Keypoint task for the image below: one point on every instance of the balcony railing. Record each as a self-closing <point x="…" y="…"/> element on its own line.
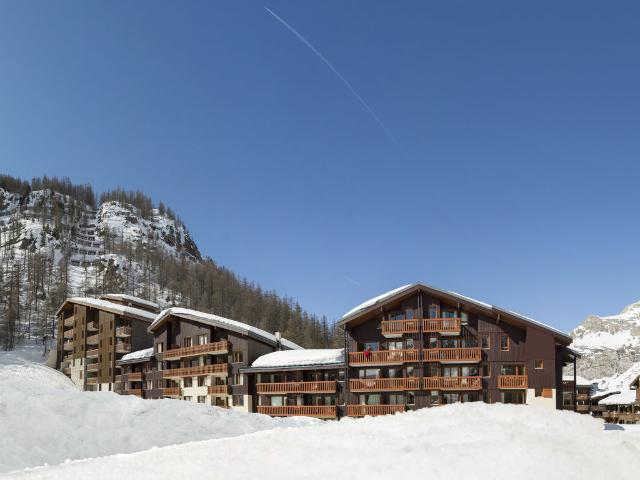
<point x="68" y="322"/>
<point x="92" y="367"/>
<point x="512" y="381"/>
<point x="218" y="368"/>
<point x="397" y="328"/>
<point x="122" y="347"/>
<point x="92" y="380"/>
<point x="453" y="383"/>
<point x="297" y="387"/>
<point x="364" y="410"/>
<point x="92" y="340"/>
<point x="133" y="391"/>
<point x="453" y="355"/>
<point x="134" y="377"/>
<point x="68" y="359"/>
<point x="67" y="346"/>
<point x="68" y="333"/>
<point x="92" y="326"/>
<point x="92" y="353"/>
<point x="582" y="408"/>
<point x="318" y="411"/>
<point x="206" y="349"/>
<point x="123" y="331"/>
<point x="171" y="392"/>
<point x="382" y="357"/>
<point x="218" y="389"/>
<point x="384" y="384"/>
<point x="444" y="326"/>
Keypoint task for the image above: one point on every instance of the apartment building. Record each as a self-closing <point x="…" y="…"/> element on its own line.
<point x="419" y="346"/>
<point x="200" y="356"/>
<point x="139" y="375"/>
<point x="620" y="406"/>
<point x="93" y="334"/>
<point x="298" y="382"/>
<point x="576" y="393"/>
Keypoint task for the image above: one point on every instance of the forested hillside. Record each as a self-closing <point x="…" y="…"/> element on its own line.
<point x="58" y="239"/>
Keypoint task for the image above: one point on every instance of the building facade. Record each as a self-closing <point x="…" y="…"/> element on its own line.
<point x="93" y="334"/>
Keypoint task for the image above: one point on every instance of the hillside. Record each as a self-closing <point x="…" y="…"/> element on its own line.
<point x="58" y="240"/>
<point x="609" y="345"/>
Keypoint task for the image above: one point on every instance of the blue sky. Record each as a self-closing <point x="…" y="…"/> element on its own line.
<point x="514" y="178"/>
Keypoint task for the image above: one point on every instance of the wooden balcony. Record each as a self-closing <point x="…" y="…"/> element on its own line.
<point x="92" y="367"/>
<point x="453" y="383"/>
<point x="383" y="357"/>
<point x="296" y="387"/>
<point x="92" y="326"/>
<point x="384" y="384"/>
<point x="68" y="359"/>
<point x="134" y="377"/>
<point x="171" y="392"/>
<point x="214" y="348"/>
<point x="517" y="382"/>
<point x="67" y="346"/>
<point x="68" y="333"/>
<point x="123" y="332"/>
<point x="318" y="411"/>
<point x="123" y="347"/>
<point x="221" y="369"/>
<point x="92" y="340"/>
<point x="133" y="391"/>
<point x="92" y="380"/>
<point x="443" y="326"/>
<point x="397" y="328"/>
<point x="373" y="410"/>
<point x="69" y="321"/>
<point x="582" y="408"/>
<point x="453" y="355"/>
<point x="92" y="353"/>
<point x="218" y="389"/>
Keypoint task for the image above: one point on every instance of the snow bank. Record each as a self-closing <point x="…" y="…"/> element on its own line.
<point x="456" y="441"/>
<point x="293" y="358"/>
<point x="44" y="419"/>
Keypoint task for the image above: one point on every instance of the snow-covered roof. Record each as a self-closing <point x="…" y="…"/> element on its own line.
<point x="111" y="307"/>
<point x="130" y="298"/>
<point x="487" y="306"/>
<point x="217" y="321"/>
<point x="140" y="355"/>
<point x="300" y="358"/>
<point x="625" y="397"/>
<point x="579" y="380"/>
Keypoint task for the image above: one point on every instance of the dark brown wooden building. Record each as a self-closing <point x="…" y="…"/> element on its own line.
<point x="94" y="333"/>
<point x="200" y="356"/>
<point x="420" y="346"/>
<point x="298" y="383"/>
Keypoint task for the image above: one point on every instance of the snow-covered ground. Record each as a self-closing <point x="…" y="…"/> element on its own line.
<point x="44" y="419"/>
<point x="456" y="441"/>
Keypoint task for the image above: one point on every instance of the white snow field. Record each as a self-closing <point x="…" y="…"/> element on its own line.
<point x="474" y="441"/>
<point x="44" y="419"/>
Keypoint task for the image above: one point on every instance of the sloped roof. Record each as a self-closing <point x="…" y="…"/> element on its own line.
<point x="492" y="309"/>
<point x="111" y="307"/>
<point x="217" y="321"/>
<point x="130" y="298"/>
<point x="301" y="358"/>
<point x="137" y="356"/>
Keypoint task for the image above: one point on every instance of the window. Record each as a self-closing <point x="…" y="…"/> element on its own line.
<point x="238" y="357"/>
<point x="203" y="339"/>
<point x="538" y="364"/>
<point x="159" y="347"/>
<point x="448" y="398"/>
<point x="149" y="385"/>
<point x="485" y="342"/>
<point x="188" y="382"/>
<point x="434" y="311"/>
<point x="433" y="342"/>
<point x="188" y="399"/>
<point x="201" y="398"/>
<point x="516" y="397"/>
<point x="201" y="381"/>
<point x="186" y="342"/>
<point x="448" y="314"/>
<point x="512" y="369"/>
<point x="486" y="370"/>
<point x="365" y="373"/>
<point x="464" y="318"/>
<point x="238" y="400"/>
<point x="434" y="398"/>
<point x="396" y="316"/>
<point x="504" y="343"/>
<point x="411" y="398"/>
<point x="237" y="378"/>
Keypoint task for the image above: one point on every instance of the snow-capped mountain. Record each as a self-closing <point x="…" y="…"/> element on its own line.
<point x="609" y="345"/>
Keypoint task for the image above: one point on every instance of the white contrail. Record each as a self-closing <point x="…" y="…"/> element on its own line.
<point x="333" y="69"/>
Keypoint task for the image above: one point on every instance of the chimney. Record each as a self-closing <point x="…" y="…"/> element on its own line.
<point x="278" y="341"/>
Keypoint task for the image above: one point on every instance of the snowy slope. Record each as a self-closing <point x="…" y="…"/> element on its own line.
<point x="44" y="419"/>
<point x="456" y="441"/>
<point x="610" y="344"/>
